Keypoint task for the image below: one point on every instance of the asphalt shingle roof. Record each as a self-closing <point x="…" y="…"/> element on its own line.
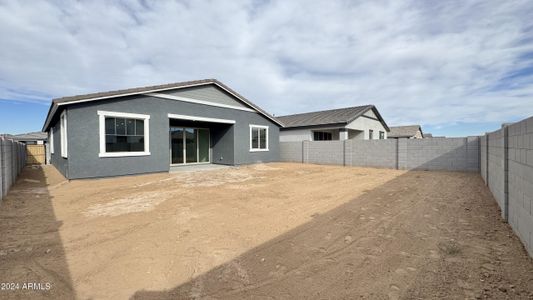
<point x="31" y="136"/>
<point x="403" y="131"/>
<point x="332" y="116"/>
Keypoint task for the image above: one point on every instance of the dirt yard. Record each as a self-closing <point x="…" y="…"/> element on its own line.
<point x="261" y="231"/>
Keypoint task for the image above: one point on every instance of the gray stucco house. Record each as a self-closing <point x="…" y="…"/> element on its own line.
<point x="152" y="129"/>
<point x="358" y="122"/>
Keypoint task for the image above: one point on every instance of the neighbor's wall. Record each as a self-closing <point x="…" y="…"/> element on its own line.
<point x="368" y="121"/>
<point x="452" y="154"/>
<point x="12" y="160"/>
<point x="509" y="175"/>
<point x="295" y="135"/>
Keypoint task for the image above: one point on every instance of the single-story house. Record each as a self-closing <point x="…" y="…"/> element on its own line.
<point x="31" y="138"/>
<point x="360" y="122"/>
<point x="428" y="135"/>
<point x="406" y="132"/>
<point x="154" y="128"/>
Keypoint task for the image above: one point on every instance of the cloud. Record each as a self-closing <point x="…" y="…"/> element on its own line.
<point x="433" y="63"/>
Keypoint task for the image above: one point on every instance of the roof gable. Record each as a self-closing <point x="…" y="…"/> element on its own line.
<point x="56" y="103"/>
<point x="332" y="116"/>
<point x="404" y="131"/>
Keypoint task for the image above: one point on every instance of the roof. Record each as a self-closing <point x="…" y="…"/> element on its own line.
<point x="31" y="136"/>
<point x="329" y="117"/>
<point x="404" y="131"/>
<point x="56" y="103"/>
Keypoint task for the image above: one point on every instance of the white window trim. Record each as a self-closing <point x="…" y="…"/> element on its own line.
<point x="64" y="134"/>
<point x="103" y="114"/>
<point x="267" y="143"/>
<point x="51" y="141"/>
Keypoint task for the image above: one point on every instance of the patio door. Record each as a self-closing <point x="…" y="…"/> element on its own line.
<point x="189" y="145"/>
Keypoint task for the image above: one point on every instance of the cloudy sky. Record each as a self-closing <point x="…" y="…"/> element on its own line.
<point x="455" y="67"/>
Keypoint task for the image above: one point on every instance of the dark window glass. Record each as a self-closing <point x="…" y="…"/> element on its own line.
<point x="124" y="135"/>
<point x="110" y="125"/>
<point x="139" y="127"/>
<point x="121" y="126"/>
<point x="262" y="138"/>
<point x="322" y="136"/>
<point x="255" y="138"/>
<point x="370" y="134"/>
<point x="130" y="127"/>
<point x="381" y="135"/>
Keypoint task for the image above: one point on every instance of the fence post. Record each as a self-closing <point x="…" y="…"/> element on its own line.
<point x="506" y="172"/>
<point x="344" y="153"/>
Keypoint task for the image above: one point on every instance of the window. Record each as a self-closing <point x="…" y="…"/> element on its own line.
<point x="381" y="135"/>
<point x="258" y="138"/>
<point x="63" y="132"/>
<point x="51" y="140"/>
<point x="370" y="134"/>
<point x="322" y="136"/>
<point x="123" y="134"/>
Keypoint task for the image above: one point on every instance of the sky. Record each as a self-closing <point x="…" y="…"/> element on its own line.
<point x="455" y="67"/>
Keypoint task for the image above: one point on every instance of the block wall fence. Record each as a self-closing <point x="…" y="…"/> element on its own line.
<point x="12" y="160"/>
<point x="507" y="169"/>
<point x="451" y="154"/>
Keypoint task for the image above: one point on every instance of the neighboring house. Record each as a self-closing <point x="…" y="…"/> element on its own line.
<point x="428" y="135"/>
<point x="360" y="122"/>
<point x="32" y="138"/>
<point x="406" y="132"/>
<point x="150" y="129"/>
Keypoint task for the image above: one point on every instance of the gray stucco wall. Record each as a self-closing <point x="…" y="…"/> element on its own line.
<point x="56" y="159"/>
<point x="231" y="147"/>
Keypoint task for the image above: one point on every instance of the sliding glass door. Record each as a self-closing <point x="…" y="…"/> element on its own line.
<point x="189" y="145"/>
<point x="176" y="148"/>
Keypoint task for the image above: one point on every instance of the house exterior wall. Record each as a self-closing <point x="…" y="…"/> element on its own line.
<point x="364" y="124"/>
<point x="56" y="159"/>
<point x="295" y="135"/>
<point x="230" y="143"/>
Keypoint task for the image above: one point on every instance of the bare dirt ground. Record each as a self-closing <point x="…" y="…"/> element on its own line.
<point x="261" y="231"/>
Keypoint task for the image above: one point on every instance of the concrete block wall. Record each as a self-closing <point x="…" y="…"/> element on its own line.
<point x="12" y="160"/>
<point x="450" y="154"/>
<point x="507" y="169"/>
<point x="324" y="152"/>
<point x="372" y="153"/>
<point x="520" y="181"/>
<point x="483" y="157"/>
<point x="291" y="151"/>
<point x="496" y="178"/>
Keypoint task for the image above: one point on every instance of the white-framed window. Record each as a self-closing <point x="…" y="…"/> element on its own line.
<point x="124" y="134"/>
<point x="63" y="132"/>
<point x="370" y="134"/>
<point x="258" y="138"/>
<point x="51" y="140"/>
<point x="381" y="135"/>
